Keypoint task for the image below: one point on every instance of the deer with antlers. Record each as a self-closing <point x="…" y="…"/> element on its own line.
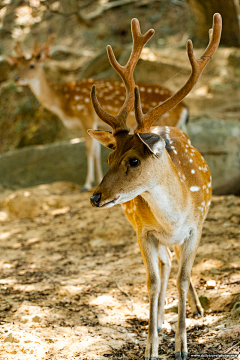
<point x="71" y="102"/>
<point x="163" y="184"/>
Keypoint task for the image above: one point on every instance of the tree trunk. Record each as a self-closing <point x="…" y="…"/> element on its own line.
<point x="202" y="13"/>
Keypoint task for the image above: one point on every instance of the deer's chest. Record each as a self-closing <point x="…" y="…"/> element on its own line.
<point x="166" y="231"/>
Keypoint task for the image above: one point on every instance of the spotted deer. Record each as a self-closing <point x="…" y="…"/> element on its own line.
<point x="71" y="101"/>
<point x="163" y="184"/>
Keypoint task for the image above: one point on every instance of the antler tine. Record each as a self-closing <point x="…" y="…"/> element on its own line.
<point x="118" y="123"/>
<point x="35" y="48"/>
<point x="18" y="49"/>
<point x="102" y="114"/>
<point x="138" y="108"/>
<point x="139" y="41"/>
<point x="197" y="68"/>
<point x="46" y="45"/>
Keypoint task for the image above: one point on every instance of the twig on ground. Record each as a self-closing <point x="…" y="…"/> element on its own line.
<point x="232" y="347"/>
<point x="124" y="292"/>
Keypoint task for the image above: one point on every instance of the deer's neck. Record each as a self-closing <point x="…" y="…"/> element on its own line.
<point x="167" y="198"/>
<point x="44" y="92"/>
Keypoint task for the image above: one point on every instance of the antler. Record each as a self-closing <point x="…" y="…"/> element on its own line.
<point x="18" y="49"/>
<point x="35" y="49"/>
<point x="145" y="121"/>
<point x="44" y="47"/>
<point x="118" y="122"/>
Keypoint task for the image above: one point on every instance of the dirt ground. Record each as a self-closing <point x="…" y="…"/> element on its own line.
<point x="73" y="282"/>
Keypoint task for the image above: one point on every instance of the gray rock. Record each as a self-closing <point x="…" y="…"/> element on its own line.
<point x="215" y="271"/>
<point x="43" y="164"/>
<point x="173" y="307"/>
<point x="235" y="312"/>
<point x="234" y="58"/>
<point x="217" y="140"/>
<point x="204" y="301"/>
<point x="219" y="143"/>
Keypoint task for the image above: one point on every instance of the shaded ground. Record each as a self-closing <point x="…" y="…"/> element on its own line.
<point x="73" y="281"/>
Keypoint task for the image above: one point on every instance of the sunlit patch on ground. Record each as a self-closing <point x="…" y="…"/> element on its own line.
<point x="73" y="282"/>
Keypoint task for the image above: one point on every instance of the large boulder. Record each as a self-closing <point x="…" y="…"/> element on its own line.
<point x="44" y="164"/>
<point x="219" y="143"/>
<point x="217" y="140"/>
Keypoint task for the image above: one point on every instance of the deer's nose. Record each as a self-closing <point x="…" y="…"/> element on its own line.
<point x="16" y="78"/>
<point x="95" y="199"/>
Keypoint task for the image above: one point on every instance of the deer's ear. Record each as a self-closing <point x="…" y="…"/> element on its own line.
<point x="106" y="138"/>
<point x="154" y="142"/>
<point x="11" y="60"/>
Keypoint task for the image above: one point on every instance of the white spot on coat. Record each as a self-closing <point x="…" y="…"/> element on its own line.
<point x="194" y="188"/>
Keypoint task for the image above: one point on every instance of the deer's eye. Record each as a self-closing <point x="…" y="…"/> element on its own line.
<point x="134" y="162"/>
<point x="31" y="66"/>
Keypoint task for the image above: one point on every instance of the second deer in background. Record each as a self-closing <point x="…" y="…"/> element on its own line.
<point x="71" y="101"/>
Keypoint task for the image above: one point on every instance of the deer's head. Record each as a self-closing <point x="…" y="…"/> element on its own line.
<point x="136" y="158"/>
<point x="29" y="68"/>
<point x="131" y="162"/>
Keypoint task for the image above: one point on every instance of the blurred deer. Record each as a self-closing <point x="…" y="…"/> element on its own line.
<point x="71" y="101"/>
<point x="163" y="184"/>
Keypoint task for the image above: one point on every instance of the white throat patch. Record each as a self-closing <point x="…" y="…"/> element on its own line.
<point x="35" y="86"/>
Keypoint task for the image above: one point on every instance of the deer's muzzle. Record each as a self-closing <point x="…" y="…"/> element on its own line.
<point x="95" y="199"/>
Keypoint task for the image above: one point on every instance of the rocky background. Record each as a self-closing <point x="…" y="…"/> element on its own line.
<point x="79" y="51"/>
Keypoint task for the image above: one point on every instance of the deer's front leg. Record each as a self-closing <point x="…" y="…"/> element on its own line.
<point x="165" y="258"/>
<point x="192" y="296"/>
<point x="90" y="148"/>
<point x="187" y="255"/>
<point x="149" y="249"/>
